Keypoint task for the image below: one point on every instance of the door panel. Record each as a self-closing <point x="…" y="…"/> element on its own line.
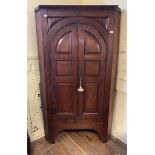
<point x="65" y="96"/>
<point x="91" y="68"/>
<point x="63" y="68"/>
<point x="91" y="98"/>
<point x="63" y="55"/>
<point x="64" y="44"/>
<point x="92" y="56"/>
<point x="91" y="44"/>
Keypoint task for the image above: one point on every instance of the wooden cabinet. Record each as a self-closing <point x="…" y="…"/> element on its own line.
<point x="77" y="48"/>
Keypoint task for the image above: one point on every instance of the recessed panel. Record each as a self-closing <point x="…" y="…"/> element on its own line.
<point x="64" y="68"/>
<point x="52" y="21"/>
<point x="90" y="98"/>
<point x="65" y="97"/>
<point x="104" y="21"/>
<point x="91" y="44"/>
<point x="92" y="68"/>
<point x="64" y="44"/>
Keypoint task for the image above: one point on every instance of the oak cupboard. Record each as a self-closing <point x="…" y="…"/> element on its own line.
<point x="77" y="47"/>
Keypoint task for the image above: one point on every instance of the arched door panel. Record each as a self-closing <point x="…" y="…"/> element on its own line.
<point x="63" y="54"/>
<point x="92" y="56"/>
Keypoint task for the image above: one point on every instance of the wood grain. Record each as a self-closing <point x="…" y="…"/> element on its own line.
<point x="77" y="143"/>
<point x="77" y="48"/>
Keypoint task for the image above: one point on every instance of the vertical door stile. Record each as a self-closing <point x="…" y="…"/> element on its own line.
<point x="80" y="68"/>
<point x="75" y="65"/>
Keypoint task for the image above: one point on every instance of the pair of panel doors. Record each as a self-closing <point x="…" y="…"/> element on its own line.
<point x="78" y="50"/>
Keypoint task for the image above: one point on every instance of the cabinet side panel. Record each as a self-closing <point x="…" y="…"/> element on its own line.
<point x="42" y="71"/>
<point x="114" y="69"/>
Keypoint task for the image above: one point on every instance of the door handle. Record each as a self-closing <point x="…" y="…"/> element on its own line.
<point x="80" y="89"/>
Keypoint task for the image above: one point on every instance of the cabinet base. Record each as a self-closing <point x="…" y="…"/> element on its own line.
<point x="98" y="128"/>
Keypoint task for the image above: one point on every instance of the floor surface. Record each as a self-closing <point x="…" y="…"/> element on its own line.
<point x="77" y="143"/>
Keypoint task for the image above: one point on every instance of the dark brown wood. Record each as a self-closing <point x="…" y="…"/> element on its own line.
<point x="28" y="145"/>
<point x="114" y="69"/>
<point x="78" y="143"/>
<point x="77" y="43"/>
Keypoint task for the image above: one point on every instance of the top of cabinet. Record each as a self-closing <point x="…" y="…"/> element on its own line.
<point x="81" y="7"/>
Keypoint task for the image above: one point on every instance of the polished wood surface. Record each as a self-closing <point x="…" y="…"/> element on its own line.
<point x="78" y="143"/>
<point x="77" y="48"/>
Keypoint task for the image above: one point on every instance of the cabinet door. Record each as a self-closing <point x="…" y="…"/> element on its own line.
<point x="63" y="59"/>
<point x="92" y="59"/>
<point x="77" y="51"/>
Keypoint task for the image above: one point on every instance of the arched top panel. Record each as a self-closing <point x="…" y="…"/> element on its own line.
<point x="64" y="43"/>
<point x="91" y="43"/>
<point x="94" y="43"/>
<point x="61" y="42"/>
<point x="78" y="20"/>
